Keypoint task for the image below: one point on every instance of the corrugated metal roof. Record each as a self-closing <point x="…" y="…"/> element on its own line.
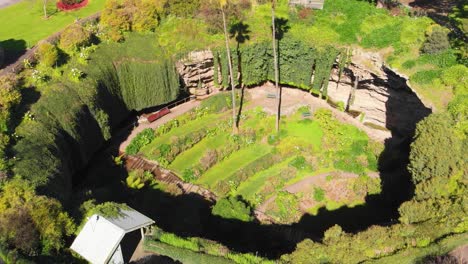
<point x="100" y="237"/>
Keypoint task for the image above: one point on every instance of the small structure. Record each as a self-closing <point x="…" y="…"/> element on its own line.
<point x="99" y="242"/>
<point x="314" y="4"/>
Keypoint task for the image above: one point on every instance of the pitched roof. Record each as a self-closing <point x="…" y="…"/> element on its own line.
<point x="101" y="236"/>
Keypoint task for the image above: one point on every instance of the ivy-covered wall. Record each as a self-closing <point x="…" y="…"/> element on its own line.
<point x="300" y="65"/>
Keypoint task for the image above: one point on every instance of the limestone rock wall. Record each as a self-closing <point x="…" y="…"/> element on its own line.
<point x="383" y="97"/>
<point x="196" y="72"/>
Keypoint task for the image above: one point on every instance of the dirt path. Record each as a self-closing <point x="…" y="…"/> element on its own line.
<point x="292" y="99"/>
<point x="175" y="112"/>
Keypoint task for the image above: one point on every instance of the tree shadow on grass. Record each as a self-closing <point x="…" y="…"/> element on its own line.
<point x="13" y="49"/>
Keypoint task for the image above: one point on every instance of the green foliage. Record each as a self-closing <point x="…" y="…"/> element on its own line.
<point x="319" y="194"/>
<point x="30" y="222"/>
<point x="217" y="103"/>
<point x="233" y="207"/>
<point x="436" y="151"/>
<point x="299" y="163"/>
<point x="187" y="243"/>
<point x="182" y="8"/>
<point x="257" y="61"/>
<point x="47" y="54"/>
<point x="137" y="179"/>
<point x="426" y="77"/>
<point x="286" y="206"/>
<point x="74" y="37"/>
<point x="142" y="139"/>
<point x="188" y="175"/>
<point x="137" y="15"/>
<point x="437" y="41"/>
<point x="196" y="250"/>
<point x="183" y="255"/>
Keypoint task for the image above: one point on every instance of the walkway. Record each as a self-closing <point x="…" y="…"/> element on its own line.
<point x="175" y="112"/>
<point x="5" y="3"/>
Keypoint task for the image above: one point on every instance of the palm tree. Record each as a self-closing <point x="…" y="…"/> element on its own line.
<point x="275" y="63"/>
<point x="222" y="5"/>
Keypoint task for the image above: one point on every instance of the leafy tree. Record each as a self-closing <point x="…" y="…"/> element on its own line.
<point x="74" y="37"/>
<point x="437" y="41"/>
<point x="42" y="225"/>
<point x="47" y="54"/>
<point x="182" y="8"/>
<point x="436" y="150"/>
<point x="233" y="207"/>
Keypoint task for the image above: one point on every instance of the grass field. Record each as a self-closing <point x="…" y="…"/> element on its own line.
<point x="23" y="24"/>
<point x="235" y="162"/>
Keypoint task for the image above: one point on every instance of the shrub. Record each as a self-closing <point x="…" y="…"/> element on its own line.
<point x="47" y="54"/>
<point x="74" y="37"/>
<point x="299" y="163"/>
<point x="426" y="76"/>
<point x="233" y="207"/>
<point x="319" y="194"/>
<point x="137" y="179"/>
<point x="436" y="150"/>
<point x="437" y="41"/>
<point x="142" y="139"/>
<point x="188" y="175"/>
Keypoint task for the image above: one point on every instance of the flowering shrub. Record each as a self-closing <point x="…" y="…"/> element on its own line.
<point x="38" y="76"/>
<point x="67" y="5"/>
<point x="75" y="74"/>
<point x="84" y="54"/>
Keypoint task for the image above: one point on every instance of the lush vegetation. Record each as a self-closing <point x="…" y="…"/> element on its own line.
<point x="196" y="250"/>
<point x="58" y="112"/>
<point x="27" y="20"/>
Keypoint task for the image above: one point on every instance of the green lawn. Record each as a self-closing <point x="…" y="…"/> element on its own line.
<point x="190" y="157"/>
<point x="24" y="23"/>
<point x="236" y="161"/>
<point x="309" y="131"/>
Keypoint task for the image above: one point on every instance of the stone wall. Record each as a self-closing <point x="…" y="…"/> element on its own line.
<point x="196" y="72"/>
<point x="383" y="97"/>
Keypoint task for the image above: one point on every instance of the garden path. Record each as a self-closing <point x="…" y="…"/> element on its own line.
<point x="175" y="112"/>
<point x="5" y="3"/>
<point x="292" y="99"/>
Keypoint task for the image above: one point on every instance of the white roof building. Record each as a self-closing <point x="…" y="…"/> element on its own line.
<point x="99" y="240"/>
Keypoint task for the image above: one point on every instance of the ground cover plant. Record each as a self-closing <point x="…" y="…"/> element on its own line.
<point x="240" y="164"/>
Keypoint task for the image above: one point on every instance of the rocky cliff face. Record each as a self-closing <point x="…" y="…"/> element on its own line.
<point x="196" y="72"/>
<point x="382" y="98"/>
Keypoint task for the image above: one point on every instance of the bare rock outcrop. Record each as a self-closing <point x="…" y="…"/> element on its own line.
<point x="383" y="99"/>
<point x="196" y="72"/>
